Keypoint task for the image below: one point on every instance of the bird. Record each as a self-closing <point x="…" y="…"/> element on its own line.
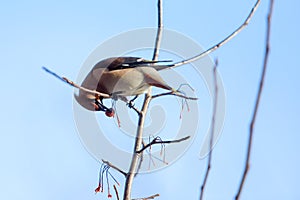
<point x="120" y="77"/>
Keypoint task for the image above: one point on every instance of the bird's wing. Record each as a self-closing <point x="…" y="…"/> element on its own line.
<point x="116" y="63"/>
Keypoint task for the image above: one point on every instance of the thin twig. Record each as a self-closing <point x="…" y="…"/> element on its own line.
<point x="155" y="141"/>
<point x="159" y="30"/>
<point x="213" y="120"/>
<point x="117" y="193"/>
<point x="174" y="94"/>
<point x="147" y="198"/>
<point x="132" y="107"/>
<point x="136" y="110"/>
<point x="64" y="79"/>
<point x="258" y="97"/>
<point x="85" y="89"/>
<point x="221" y="43"/>
<point x="114" y="167"/>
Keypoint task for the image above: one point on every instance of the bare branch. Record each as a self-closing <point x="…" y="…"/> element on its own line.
<point x="159" y="30"/>
<point x="142" y="115"/>
<point x="213" y="120"/>
<point x="64" y="79"/>
<point x="114" y="167"/>
<point x="174" y="93"/>
<point x="155" y="141"/>
<point x="146" y="198"/>
<point x="221" y="43"/>
<point x="136" y="110"/>
<point x="260" y="89"/>
<point x="138" y="142"/>
<point x="140" y="161"/>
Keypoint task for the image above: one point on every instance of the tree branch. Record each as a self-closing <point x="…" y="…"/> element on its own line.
<point x="142" y="115"/>
<point x="221" y="43"/>
<point x="156" y="141"/>
<point x="114" y="167"/>
<point x="174" y="94"/>
<point x="64" y="79"/>
<point x="147" y="198"/>
<point x="159" y="30"/>
<point x="260" y="89"/>
<point x="213" y="120"/>
<point x="137" y="146"/>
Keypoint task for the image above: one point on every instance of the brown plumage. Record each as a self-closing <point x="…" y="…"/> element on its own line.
<point x="120" y="77"/>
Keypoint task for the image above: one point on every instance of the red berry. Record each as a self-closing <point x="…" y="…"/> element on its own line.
<point x="98" y="189"/>
<point x="110" y="112"/>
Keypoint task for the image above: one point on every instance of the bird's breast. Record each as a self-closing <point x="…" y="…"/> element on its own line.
<point x="125" y="82"/>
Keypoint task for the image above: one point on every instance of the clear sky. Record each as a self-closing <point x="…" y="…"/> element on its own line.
<point x="42" y="155"/>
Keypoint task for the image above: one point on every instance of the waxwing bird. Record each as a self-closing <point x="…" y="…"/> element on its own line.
<point x="120" y="77"/>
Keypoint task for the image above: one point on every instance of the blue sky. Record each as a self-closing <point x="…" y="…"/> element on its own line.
<point x="43" y="157"/>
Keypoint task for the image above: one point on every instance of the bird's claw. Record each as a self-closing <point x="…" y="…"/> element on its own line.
<point x="130" y="104"/>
